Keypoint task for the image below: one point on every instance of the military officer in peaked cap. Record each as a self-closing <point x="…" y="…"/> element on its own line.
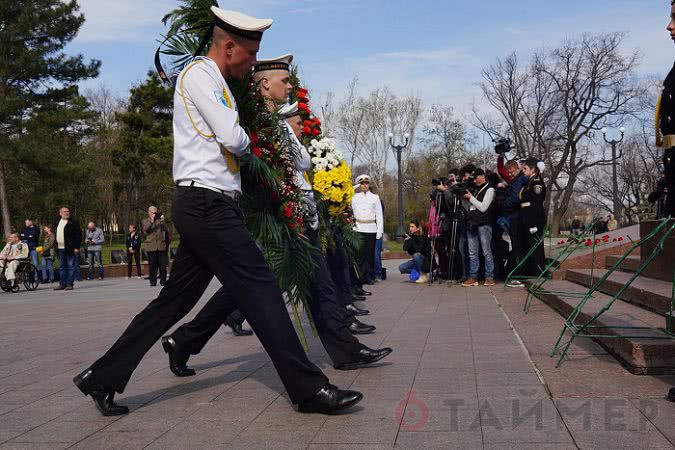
<point x="665" y="128"/>
<point x="207" y="142"/>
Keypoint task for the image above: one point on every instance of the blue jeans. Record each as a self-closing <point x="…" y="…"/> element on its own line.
<point x="464" y="251"/>
<point x="94" y="257"/>
<point x="378" y="258"/>
<point x="34" y="259"/>
<point x="47" y="268"/>
<point x="66" y="268"/>
<point x="481" y="240"/>
<point x="416" y="263"/>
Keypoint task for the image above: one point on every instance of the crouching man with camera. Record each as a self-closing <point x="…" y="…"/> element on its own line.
<point x="480" y="219"/>
<point x="417" y="246"/>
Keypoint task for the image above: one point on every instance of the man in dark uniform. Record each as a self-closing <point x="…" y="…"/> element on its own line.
<point x="665" y="136"/>
<point x="533" y="216"/>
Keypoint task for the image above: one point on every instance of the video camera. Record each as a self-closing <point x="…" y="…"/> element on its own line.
<point x="466" y="185"/>
<point x="503" y="145"/>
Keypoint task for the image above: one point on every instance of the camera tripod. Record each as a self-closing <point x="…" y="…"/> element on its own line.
<point x="436" y="220"/>
<point x="453" y="239"/>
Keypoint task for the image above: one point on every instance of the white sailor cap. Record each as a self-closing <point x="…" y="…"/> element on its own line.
<point x="289" y="110"/>
<point x="240" y="24"/>
<point x="279" y="63"/>
<point x="362" y="178"/>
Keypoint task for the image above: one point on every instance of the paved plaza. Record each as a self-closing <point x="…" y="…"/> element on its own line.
<point x="460" y="377"/>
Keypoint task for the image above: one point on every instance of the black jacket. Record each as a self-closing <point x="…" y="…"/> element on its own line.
<point x="419" y="244"/>
<point x="31" y="235"/>
<point x="72" y="235"/>
<point x="532" y="212"/>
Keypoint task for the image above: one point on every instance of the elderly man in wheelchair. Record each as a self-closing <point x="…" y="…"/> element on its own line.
<point x="14" y="253"/>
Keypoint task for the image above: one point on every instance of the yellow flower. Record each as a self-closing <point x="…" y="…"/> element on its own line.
<point x="335" y="187"/>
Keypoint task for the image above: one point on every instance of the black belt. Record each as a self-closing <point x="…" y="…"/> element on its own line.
<point x="233" y="195"/>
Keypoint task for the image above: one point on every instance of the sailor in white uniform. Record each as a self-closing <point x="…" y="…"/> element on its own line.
<point x="214" y="240"/>
<point x="369" y="224"/>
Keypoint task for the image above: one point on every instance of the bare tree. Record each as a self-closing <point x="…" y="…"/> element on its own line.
<point x="553" y="106"/>
<point x="444" y="136"/>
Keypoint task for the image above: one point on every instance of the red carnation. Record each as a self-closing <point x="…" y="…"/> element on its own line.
<point x="614" y="240"/>
<point x="302" y="92"/>
<point x="288" y="211"/>
<point x="316" y="132"/>
<point x="303" y="106"/>
<point x="291" y="225"/>
<point x="254" y="138"/>
<point x="589" y="243"/>
<point x="257" y="151"/>
<point x="620" y="239"/>
<point x="306" y="130"/>
<point x="307" y="123"/>
<point x="317" y="121"/>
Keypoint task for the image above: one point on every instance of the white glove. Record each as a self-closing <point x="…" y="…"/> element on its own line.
<point x="378" y="236"/>
<point x="533" y="230"/>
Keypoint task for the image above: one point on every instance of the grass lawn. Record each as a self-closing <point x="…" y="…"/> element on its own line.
<point x="394" y="247"/>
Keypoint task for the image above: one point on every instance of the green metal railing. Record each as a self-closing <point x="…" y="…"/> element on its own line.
<point x="574" y="243"/>
<point x="588" y="330"/>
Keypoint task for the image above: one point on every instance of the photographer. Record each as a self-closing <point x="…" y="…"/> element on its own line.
<point x="156" y="245"/>
<point x="479" y="229"/>
<point x="417" y="246"/>
<point x="460" y="189"/>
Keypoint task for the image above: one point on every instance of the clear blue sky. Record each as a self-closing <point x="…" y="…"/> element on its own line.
<point x="434" y="49"/>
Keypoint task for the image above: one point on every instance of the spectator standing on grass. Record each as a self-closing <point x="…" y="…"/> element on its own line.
<point x="31" y="236"/>
<point x="94" y="239"/>
<point x="133" y="245"/>
<point x="48" y="253"/>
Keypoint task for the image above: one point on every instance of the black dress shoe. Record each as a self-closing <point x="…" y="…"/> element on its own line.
<point x="237" y="329"/>
<point x="361" y="328"/>
<point x="352" y="308"/>
<point x="365" y="357"/>
<point x="671" y="395"/>
<point x="330" y="400"/>
<point x="177" y="362"/>
<point x="104" y="399"/>
<point x="361" y="291"/>
<point x="358" y="298"/>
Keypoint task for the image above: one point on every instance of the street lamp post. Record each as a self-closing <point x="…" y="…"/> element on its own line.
<point x="397" y="150"/>
<point x="616" y="206"/>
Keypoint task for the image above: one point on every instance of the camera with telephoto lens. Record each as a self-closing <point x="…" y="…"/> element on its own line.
<point x="464" y="186"/>
<point x="503" y="145"/>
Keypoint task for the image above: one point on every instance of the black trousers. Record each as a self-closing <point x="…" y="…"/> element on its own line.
<point x="367" y="257"/>
<point x="669" y="168"/>
<point x="201" y="215"/>
<point x="338" y="265"/>
<point x="330" y="318"/>
<point x="519" y="248"/>
<point x="130" y="258"/>
<point x="537" y="261"/>
<point x="158" y="260"/>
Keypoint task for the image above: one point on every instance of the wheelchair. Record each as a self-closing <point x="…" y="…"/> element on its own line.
<point x="26" y="273"/>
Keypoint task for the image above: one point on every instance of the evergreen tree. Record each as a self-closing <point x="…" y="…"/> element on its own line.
<point x="42" y="115"/>
<point x="144" y="154"/>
